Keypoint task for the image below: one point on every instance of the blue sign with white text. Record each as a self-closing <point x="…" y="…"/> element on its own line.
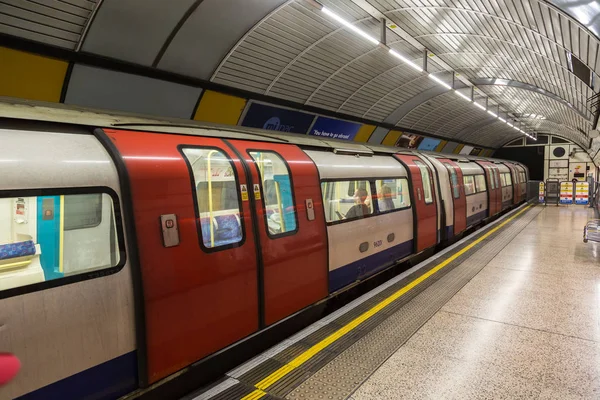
<point x="277" y="119"/>
<point x="429" y="144"/>
<point x="334" y="129"/>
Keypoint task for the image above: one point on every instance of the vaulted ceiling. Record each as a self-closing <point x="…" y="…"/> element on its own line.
<point x="513" y="53"/>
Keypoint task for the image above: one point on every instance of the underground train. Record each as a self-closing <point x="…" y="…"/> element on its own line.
<point x="132" y="253"/>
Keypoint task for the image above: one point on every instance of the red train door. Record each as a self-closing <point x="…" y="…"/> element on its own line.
<point x="291" y="226"/>
<point x="515" y="183"/>
<point x="495" y="193"/>
<point x="424" y="204"/>
<point x="196" y="246"/>
<point x="458" y="195"/>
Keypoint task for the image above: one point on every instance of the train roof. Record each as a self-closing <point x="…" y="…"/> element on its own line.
<point x="57" y="113"/>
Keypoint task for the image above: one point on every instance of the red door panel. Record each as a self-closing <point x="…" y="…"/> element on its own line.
<point x="495" y="193"/>
<point x="196" y="302"/>
<point x="460" y="203"/>
<point x="294" y="263"/>
<point x="426" y="213"/>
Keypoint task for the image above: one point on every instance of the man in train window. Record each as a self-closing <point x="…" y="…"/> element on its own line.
<point x="360" y="209"/>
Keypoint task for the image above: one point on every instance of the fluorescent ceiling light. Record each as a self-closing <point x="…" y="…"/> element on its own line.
<point x="349" y="25"/>
<point x="479" y="106"/>
<point x="441" y="82"/>
<point x="502" y="119"/>
<point x="493" y="114"/>
<point x="509" y="124"/>
<point x="405" y="60"/>
<point x="462" y="95"/>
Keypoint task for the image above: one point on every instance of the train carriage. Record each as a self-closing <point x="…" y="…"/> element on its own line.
<point x="157" y="251"/>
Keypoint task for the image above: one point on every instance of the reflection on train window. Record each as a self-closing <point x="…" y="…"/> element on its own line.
<point x="341" y="206"/>
<point x="469" y="182"/>
<point x="453" y="181"/>
<point x="427" y="193"/>
<point x="217" y="199"/>
<point x="85" y="211"/>
<point x="277" y="192"/>
<point x="36" y="244"/>
<point x="392" y="194"/>
<point x="480" y="183"/>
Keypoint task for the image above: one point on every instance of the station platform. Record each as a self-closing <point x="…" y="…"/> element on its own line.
<point x="511" y="311"/>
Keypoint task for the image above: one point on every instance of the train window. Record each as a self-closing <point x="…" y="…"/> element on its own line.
<point x="36" y="244"/>
<point x="469" y="182"/>
<point x="453" y="181"/>
<point x="427" y="193"/>
<point x="277" y="196"/>
<point x="508" y="179"/>
<point x="480" y="183"/>
<point x="491" y="177"/>
<point x="216" y="194"/>
<point x="503" y="179"/>
<point x="392" y="194"/>
<point x="340" y="206"/>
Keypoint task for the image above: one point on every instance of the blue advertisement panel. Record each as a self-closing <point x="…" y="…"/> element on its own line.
<point x="276" y="119"/>
<point x="334" y="129"/>
<point x="429" y="144"/>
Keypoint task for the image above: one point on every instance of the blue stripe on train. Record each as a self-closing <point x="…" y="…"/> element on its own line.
<point x="340" y="277"/>
<point x="109" y="380"/>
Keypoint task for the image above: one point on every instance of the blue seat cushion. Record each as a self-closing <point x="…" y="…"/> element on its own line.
<point x="14" y="250"/>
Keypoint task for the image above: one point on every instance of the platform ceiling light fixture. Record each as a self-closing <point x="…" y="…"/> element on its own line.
<point x="350" y="26"/>
<point x="441" y="82"/>
<point x="413" y="65"/>
<point x="405" y="60"/>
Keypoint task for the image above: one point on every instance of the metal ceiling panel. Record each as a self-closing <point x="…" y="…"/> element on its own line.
<point x="101" y="88"/>
<point x="53" y="22"/>
<point x="133" y="30"/>
<point x="212" y="31"/>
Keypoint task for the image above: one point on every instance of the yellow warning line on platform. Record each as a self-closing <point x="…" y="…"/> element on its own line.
<point x="311" y="352"/>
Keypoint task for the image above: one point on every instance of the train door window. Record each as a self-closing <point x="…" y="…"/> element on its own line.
<point x="480" y="183"/>
<point x="508" y="179"/>
<point x="45" y="238"/>
<point x="216" y="193"/>
<point x="496" y="177"/>
<point x="453" y="180"/>
<point x="469" y="182"/>
<point x="339" y="205"/>
<point x="490" y="173"/>
<point x="277" y="198"/>
<point x="392" y="194"/>
<point x="427" y="193"/>
<point x="502" y="180"/>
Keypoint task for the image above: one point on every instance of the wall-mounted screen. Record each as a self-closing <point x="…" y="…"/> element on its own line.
<point x="429" y="144"/>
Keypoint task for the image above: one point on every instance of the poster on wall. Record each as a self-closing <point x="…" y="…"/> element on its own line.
<point x="334" y="129"/>
<point x="429" y="144"/>
<point x="409" y="141"/>
<point x="475" y="151"/>
<point x="276" y="119"/>
<point x="466" y="150"/>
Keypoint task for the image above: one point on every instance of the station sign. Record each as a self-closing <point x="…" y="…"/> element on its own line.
<point x="582" y="193"/>
<point x="331" y="128"/>
<point x="566" y="192"/>
<point x="272" y="118"/>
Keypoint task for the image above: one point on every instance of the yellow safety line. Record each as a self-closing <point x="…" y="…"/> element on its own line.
<point x="311" y="352"/>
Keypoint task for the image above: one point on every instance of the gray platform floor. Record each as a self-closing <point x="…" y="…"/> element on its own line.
<point x="526" y="326"/>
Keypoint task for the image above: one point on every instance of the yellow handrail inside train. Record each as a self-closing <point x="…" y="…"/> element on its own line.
<point x="210" y="198"/>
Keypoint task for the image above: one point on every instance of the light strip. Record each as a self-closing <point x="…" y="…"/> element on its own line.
<point x="462" y="95"/>
<point x="502" y="119"/>
<point x="479" y="106"/>
<point x="441" y="82"/>
<point x="405" y="60"/>
<point x="493" y="114"/>
<point x="349" y="25"/>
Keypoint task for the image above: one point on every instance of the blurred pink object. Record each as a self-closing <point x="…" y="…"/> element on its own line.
<point x="9" y="367"/>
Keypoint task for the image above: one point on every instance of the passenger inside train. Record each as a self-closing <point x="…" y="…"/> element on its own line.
<point x="360" y="209"/>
